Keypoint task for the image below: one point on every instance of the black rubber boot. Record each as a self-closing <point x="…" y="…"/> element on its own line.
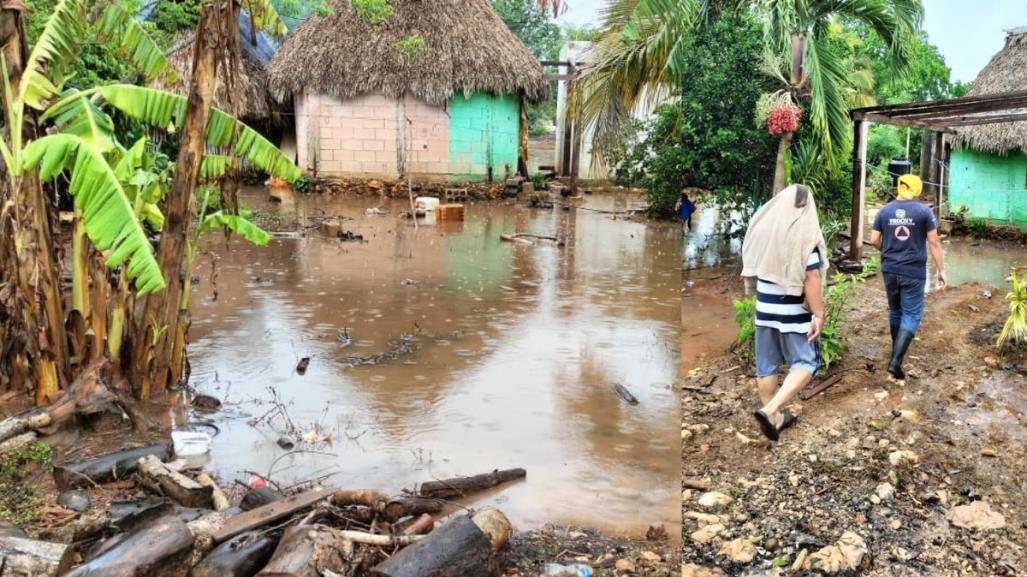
<point x="894" y="333"/>
<point x="898" y="351"/>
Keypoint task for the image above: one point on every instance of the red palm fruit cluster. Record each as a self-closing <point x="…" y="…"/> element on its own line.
<point x="784" y="118"/>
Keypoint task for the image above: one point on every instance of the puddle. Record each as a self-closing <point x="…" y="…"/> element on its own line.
<point x="985" y="262"/>
<point x="489" y="355"/>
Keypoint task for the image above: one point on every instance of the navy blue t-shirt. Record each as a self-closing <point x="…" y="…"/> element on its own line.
<point x="904" y="225"/>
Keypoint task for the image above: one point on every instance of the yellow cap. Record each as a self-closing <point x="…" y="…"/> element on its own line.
<point x="910" y="186"/>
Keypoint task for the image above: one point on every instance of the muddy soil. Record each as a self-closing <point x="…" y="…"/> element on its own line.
<point x="893" y="464"/>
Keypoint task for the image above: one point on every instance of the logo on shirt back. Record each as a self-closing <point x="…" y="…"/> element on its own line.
<point x="899" y="220"/>
<point x="900" y="213"/>
<point x="902" y="233"/>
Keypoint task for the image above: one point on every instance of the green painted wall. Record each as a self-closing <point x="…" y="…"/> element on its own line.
<point x="483" y="133"/>
<point x="991" y="186"/>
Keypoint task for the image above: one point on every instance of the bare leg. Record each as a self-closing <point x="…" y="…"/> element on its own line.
<point x="794" y="383"/>
<point x="767" y="387"/>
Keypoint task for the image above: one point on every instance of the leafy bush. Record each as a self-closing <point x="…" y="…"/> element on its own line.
<point x="1014" y="332"/>
<point x="836" y="300"/>
<point x="745" y="318"/>
<point x="871" y="265"/>
<point x="977" y="226"/>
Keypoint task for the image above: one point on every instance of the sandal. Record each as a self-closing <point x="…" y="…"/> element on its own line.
<point x="769" y="430"/>
<point x="789" y="420"/>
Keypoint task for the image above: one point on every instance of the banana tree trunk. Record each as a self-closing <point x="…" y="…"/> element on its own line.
<point x="154" y="338"/>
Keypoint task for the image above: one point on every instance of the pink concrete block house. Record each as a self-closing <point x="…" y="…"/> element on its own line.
<point x="438" y="88"/>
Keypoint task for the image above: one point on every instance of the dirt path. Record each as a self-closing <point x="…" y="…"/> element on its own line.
<point x="883" y="471"/>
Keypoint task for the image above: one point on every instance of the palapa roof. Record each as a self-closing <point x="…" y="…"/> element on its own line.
<point x="1006" y="72"/>
<point x="470" y="49"/>
<point x="251" y="98"/>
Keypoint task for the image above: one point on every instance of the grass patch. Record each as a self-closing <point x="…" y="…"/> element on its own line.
<point x="19" y="503"/>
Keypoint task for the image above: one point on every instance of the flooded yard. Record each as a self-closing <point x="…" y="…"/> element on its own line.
<point x="465" y="354"/>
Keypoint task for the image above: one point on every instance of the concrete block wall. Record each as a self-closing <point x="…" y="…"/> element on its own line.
<point x="366" y="136"/>
<point x="991" y="186"/>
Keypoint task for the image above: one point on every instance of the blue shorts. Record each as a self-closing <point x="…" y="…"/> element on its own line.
<point x="774" y="348"/>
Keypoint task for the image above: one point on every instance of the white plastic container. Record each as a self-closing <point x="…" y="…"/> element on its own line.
<point x="190" y="443"/>
<point x="426" y="203"/>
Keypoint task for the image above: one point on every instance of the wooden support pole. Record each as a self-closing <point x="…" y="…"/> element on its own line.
<point x="859" y="177"/>
<point x="936" y="159"/>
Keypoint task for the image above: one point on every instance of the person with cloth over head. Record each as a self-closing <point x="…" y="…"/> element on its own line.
<point x="784" y="250"/>
<point x="903" y="231"/>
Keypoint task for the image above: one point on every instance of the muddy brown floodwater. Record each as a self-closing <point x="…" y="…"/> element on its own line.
<point x="489" y="355"/>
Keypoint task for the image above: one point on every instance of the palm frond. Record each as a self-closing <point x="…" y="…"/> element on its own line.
<point x="83" y="118"/>
<point x="265" y="17"/>
<point x="167" y="111"/>
<point x="829" y="111"/>
<point x="56" y="48"/>
<point x="134" y="43"/>
<point x="237" y="224"/>
<point x="107" y="214"/>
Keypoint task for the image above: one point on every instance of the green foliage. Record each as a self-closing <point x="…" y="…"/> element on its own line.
<point x="831" y="228"/>
<point x="237" y="224"/>
<point x="413" y="46"/>
<point x="375" y="12"/>
<point x="532" y="25"/>
<point x="1014" y="332"/>
<point x="107" y="213"/>
<point x="177" y="15"/>
<point x="708" y="140"/>
<point x="302" y="184"/>
<point x="837" y="299"/>
<point x="745" y="317"/>
<point x="539" y="180"/>
<point x="871" y="266"/>
<point x="19" y="503"/>
<point x="977" y="226"/>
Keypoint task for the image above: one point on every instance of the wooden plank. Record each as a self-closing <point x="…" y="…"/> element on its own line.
<point x="267" y="514"/>
<point x="859" y="176"/>
<point x="1010" y="100"/>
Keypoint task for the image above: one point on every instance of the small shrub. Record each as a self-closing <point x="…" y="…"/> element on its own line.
<point x="871" y="266"/>
<point x="1014" y="332"/>
<point x="413" y="46"/>
<point x="837" y="299"/>
<point x="538" y="180"/>
<point x="302" y="184"/>
<point x="977" y="226"/>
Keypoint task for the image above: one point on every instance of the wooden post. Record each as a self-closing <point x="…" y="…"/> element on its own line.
<point x="859" y="178"/>
<point x="566" y="156"/>
<point x="937" y="157"/>
<point x="946" y="150"/>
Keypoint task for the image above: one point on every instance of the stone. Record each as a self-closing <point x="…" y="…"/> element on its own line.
<point x="713" y="499"/>
<point x="902" y="458"/>
<point x="793" y="480"/>
<point x="650" y="558"/>
<point x="697" y="484"/>
<point x="885" y="492"/>
<point x="77" y="501"/>
<point x="742" y="438"/>
<point x="896" y="525"/>
<point x="624" y="566"/>
<point x="686" y="434"/>
<point x="875" y="499"/>
<point x="846" y="554"/>
<point x="880" y="396"/>
<point x="706" y="534"/>
<point x="706" y="518"/>
<point x="693" y="570"/>
<point x="978" y="516"/>
<point x="739" y="550"/>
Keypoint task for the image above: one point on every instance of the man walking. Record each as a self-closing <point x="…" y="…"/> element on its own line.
<point x="903" y="231"/>
<point x="784" y="250"/>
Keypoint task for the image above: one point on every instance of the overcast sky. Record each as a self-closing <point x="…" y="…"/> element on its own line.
<point x="968" y="32"/>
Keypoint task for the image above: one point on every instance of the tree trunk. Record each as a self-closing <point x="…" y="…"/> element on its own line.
<point x="104" y="468"/>
<point x="156" y="550"/>
<point x="457" y="549"/>
<point x="307" y="551"/>
<point x="154" y="338"/>
<point x="459" y="486"/>
<point x="19" y="556"/>
<point x="780" y="168"/>
<point x="242" y="556"/>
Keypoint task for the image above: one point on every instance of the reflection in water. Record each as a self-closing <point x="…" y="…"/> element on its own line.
<point x="518" y="349"/>
<point x="709" y="242"/>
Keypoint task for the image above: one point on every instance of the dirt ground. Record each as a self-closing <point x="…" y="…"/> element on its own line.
<point x="925" y="477"/>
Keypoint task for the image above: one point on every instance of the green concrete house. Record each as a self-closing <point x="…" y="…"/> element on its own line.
<point x="988" y="167"/>
<point x="437" y="89"/>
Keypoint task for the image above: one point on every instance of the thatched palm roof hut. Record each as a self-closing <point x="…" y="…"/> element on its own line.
<point x="451" y="68"/>
<point x="251" y="96"/>
<point x="1006" y="72"/>
<point x="470" y="50"/>
<point x="988" y="167"/>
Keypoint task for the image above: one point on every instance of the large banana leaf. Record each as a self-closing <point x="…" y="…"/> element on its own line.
<point x="83" y="118"/>
<point x="55" y="50"/>
<point x="213" y="167"/>
<point x="134" y="43"/>
<point x="265" y="17"/>
<point x="236" y="224"/>
<point x="166" y="110"/>
<point x="107" y="214"/>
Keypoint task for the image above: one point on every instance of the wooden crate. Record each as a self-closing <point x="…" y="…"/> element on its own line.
<point x="451" y="212"/>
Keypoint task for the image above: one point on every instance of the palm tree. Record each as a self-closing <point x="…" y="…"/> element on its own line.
<point x="815" y="71"/>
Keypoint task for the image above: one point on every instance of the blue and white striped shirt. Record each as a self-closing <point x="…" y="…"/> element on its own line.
<point x="777" y="310"/>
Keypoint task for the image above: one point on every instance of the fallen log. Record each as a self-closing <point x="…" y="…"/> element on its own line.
<point x="460" y="548"/>
<point x="175" y="485"/>
<point x="308" y="551"/>
<point x="23" y="422"/>
<point x="20" y="557"/>
<point x="18" y="443"/>
<point x="86" y="392"/>
<point x="109" y="467"/>
<point x="419" y="526"/>
<point x="154" y="550"/>
<point x="127" y="515"/>
<point x="410" y="506"/>
<point x="267" y="514"/>
<point x="514" y="238"/>
<point x="241" y="556"/>
<point x="460" y="486"/>
<point x="217" y="496"/>
<point x="372" y="499"/>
